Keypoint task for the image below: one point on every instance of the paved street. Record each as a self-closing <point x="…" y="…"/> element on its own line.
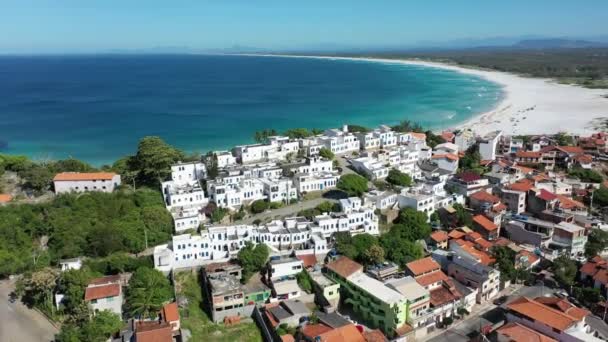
<point x="20" y="324"/>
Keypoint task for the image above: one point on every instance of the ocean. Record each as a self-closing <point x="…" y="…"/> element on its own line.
<point x="96" y="108"/>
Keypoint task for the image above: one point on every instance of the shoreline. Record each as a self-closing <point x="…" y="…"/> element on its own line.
<point x="529" y="105"/>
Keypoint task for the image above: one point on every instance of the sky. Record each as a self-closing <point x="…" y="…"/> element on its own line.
<point x="98" y="25"/>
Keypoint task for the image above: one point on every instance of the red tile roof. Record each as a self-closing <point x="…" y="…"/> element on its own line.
<point x="376" y="335"/>
<point x="483" y="222"/>
<point x="83" y="176"/>
<point x="346" y="333"/>
<point x="431" y="278"/>
<point x="469" y="247"/>
<point x="170" y="312"/>
<point x="312" y="330"/>
<point x="468" y="176"/>
<point x="601" y="277"/>
<point x="449" y="156"/>
<point x="344" y="267"/>
<point x="520" y="333"/>
<point x="542" y="313"/>
<point x="445" y="294"/>
<point x="105" y="280"/>
<point x="569" y="203"/>
<point x="5" y="198"/>
<point x="439" y="236"/>
<point x="153" y="332"/>
<point x="102" y="291"/>
<point x="546" y="195"/>
<point x="564" y="306"/>
<point x="484" y="196"/>
<point x="287" y="338"/>
<point x="528" y="154"/>
<point x="422" y="266"/>
<point x="571" y="149"/>
<point x="523" y="185"/>
<point x="308" y="260"/>
<point x="456" y="234"/>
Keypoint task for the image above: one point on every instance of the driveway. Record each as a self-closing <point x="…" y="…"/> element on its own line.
<point x="20" y="324"/>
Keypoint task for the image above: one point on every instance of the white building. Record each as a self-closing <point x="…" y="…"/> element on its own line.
<point x="183" y="194"/>
<point x="488" y="145"/>
<point x="220" y="243"/>
<point x="315" y="182"/>
<point x="371" y="167"/>
<point x="224" y="159"/>
<point x="234" y="195"/>
<point x="67" y="182"/>
<point x="70" y="264"/>
<point x="279" y="190"/>
<point x="380" y="199"/>
<point x="284" y="267"/>
<point x="339" y="141"/>
<point x="448" y="161"/>
<point x="314" y="165"/>
<point x="185" y="173"/>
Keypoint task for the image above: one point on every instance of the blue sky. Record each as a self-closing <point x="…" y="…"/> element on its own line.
<point x="96" y="25"/>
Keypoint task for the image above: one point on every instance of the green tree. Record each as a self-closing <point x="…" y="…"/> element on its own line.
<point x="326" y="153"/>
<point x="463" y="217"/>
<point x="352" y="184"/>
<point x="505" y="260"/>
<point x="218" y="214"/>
<point x="154" y="158"/>
<point x="564" y="270"/>
<point x="328" y="207"/>
<point x="563" y="139"/>
<point x="261" y="137"/>
<point x="98" y="329"/>
<point x="373" y="255"/>
<point x="38" y="178"/>
<point x="586" y="175"/>
<point x="298" y="133"/>
<point x="259" y="206"/>
<point x="406" y="126"/>
<point x="600" y="197"/>
<point x="252" y="259"/>
<point x="400" y="251"/>
<point x="411" y="225"/>
<point x="72" y="284"/>
<point x="212" y="165"/>
<point x="148" y="291"/>
<point x="596" y="243"/>
<point x="304" y="281"/>
<point x="471" y="160"/>
<point x="399" y="178"/>
<point x="358" y="129"/>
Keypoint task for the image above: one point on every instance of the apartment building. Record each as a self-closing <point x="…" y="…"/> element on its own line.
<point x="467" y="183"/>
<point x="488" y="145"/>
<point x="339" y="141"/>
<point x="379" y="305"/>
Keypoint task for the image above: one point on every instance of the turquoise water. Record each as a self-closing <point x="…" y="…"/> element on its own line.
<point x="96" y="108"/>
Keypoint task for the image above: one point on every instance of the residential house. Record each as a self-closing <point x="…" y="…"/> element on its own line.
<point x="553" y="317"/>
<point x="488" y="229"/>
<point x="67" y="182"/>
<point x="105" y="293"/>
<point x="517" y="332"/>
<point x="467" y="183"/>
<point x="488" y="145"/>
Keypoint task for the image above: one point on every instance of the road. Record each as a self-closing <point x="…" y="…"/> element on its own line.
<point x="285" y="211"/>
<point x="465" y="329"/>
<point x="20" y="324"/>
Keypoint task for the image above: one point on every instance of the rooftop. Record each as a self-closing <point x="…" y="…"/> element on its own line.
<point x="82" y="176"/>
<point x="518" y="332"/>
<point x="485" y="223"/>
<point x="422" y="266"/>
<point x="408" y="287"/>
<point x="101" y="291"/>
<point x="376" y="288"/>
<point x="543" y="313"/>
<point x="344" y="267"/>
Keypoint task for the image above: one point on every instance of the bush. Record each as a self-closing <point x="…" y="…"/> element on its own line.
<point x="326" y="153"/>
<point x="259" y="206"/>
<point x="399" y="178"/>
<point x="585" y="175"/>
<point x="353" y="185"/>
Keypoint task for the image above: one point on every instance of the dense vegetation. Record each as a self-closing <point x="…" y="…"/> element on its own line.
<point x="147" y="292"/>
<point x="586" y="175"/>
<point x="94" y="224"/>
<point x="398" y="245"/>
<point x="252" y="259"/>
<point x="352" y="184"/>
<point x="584" y="66"/>
<point x="399" y="178"/>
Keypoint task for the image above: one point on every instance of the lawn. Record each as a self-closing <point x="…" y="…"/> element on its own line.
<point x="195" y="319"/>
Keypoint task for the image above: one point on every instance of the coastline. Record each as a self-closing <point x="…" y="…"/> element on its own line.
<point x="529" y="105"/>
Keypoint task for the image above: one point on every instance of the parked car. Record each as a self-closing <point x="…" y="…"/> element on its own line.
<point x="500" y="300"/>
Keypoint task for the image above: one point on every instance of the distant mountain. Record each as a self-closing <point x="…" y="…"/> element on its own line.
<point x="556" y="43"/>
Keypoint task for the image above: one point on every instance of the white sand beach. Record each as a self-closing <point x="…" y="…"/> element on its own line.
<point x="530" y="105"/>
